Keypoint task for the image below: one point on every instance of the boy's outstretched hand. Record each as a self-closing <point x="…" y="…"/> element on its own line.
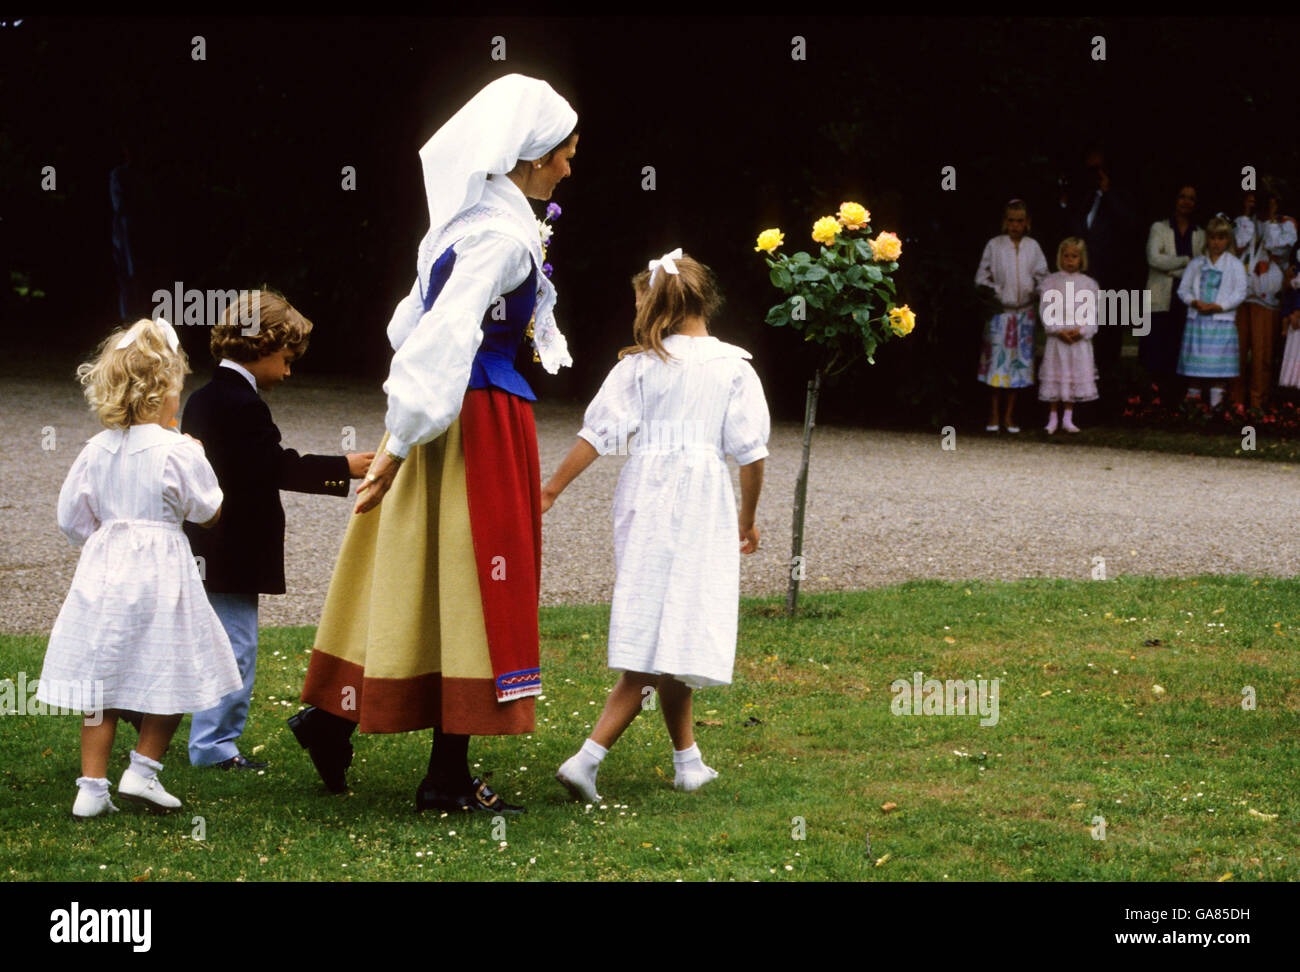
<point x="749" y="540"/>
<point x="359" y="463"/>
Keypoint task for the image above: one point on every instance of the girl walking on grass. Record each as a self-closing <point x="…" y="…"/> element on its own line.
<point x="679" y="400"/>
<point x="136" y="631"/>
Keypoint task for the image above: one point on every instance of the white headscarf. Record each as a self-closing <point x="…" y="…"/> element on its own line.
<point x="513" y="118"/>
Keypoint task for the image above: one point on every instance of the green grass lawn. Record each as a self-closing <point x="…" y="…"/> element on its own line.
<point x="806" y="745"/>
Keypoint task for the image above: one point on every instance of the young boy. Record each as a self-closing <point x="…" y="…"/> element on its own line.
<point x="243" y="556"/>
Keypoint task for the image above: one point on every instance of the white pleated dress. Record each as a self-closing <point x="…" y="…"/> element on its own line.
<point x="137" y="631"/>
<point x="676" y="538"/>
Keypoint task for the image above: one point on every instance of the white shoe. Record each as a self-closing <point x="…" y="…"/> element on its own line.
<point x="88" y="805"/>
<point x="147" y="793"/>
<point x="693" y="779"/>
<point x="1069" y="426"/>
<point x="581" y="784"/>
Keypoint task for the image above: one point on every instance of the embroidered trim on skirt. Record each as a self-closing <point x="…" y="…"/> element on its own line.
<point x="1007" y="351"/>
<point x="438" y="581"/>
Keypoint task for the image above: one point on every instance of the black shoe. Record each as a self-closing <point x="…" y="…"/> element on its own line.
<point x="239" y="762"/>
<point x="330" y="754"/>
<point x="478" y="797"/>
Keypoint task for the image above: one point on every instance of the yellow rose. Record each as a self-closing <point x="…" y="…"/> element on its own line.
<point x="902" y="320"/>
<point x="769" y="240"/>
<point x="886" y="247"/>
<point x="852" y="216"/>
<point x="825" y="230"/>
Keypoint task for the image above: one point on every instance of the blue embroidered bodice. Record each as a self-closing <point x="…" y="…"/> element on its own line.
<point x="494" y="364"/>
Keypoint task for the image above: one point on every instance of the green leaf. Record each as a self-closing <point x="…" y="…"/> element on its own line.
<point x="863" y="250"/>
<point x="837" y="281"/>
<point x="779" y="315"/>
<point x="814" y="272"/>
<point x="873" y="273"/>
<point x="781" y="278"/>
<point x="800" y="257"/>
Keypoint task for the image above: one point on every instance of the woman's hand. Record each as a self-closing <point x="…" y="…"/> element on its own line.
<point x="369" y="493"/>
<point x="748" y="539"/>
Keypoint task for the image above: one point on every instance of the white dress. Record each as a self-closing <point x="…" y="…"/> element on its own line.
<point x="137" y="631"/>
<point x="676" y="538"/>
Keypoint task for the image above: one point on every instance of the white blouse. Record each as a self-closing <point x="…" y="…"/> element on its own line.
<point x="434" y="351"/>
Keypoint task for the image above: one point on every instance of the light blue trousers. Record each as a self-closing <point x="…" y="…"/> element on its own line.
<point x="214" y="733"/>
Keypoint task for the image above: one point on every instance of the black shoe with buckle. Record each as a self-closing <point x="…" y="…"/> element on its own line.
<point x="479" y="797"/>
<point x="240" y="762"/>
<point x="331" y="753"/>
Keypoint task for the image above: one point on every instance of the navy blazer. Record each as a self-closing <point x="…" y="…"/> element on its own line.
<point x="244" y="552"/>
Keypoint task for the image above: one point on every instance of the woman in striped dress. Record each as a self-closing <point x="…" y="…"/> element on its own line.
<point x="431" y="616"/>
<point x="1212" y="286"/>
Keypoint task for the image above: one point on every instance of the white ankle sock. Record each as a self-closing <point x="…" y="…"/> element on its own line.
<point x="96" y="786"/>
<point x="591" y="754"/>
<point x="145" y="767"/>
<point x="691" y="773"/>
<point x="1216" y="396"/>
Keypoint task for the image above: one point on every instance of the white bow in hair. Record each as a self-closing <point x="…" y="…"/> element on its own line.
<point x="667" y="262"/>
<point x="169" y="332"/>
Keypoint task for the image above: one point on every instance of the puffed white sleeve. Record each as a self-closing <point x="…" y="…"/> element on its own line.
<point x="747" y="424"/>
<point x="76" y="518"/>
<point x="190" y="483"/>
<point x="614" y="415"/>
<point x="430" y="371"/>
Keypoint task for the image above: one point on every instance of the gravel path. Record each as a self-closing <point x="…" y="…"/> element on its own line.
<point x="883" y="507"/>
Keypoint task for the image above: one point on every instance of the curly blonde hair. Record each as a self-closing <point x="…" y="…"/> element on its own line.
<point x="660" y="310"/>
<point x="127" y="386"/>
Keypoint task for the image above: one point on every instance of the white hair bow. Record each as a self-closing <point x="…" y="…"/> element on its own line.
<point x="667" y="262"/>
<point x="169" y="332"/>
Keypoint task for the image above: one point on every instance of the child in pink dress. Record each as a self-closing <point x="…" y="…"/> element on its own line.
<point x="1069" y="312"/>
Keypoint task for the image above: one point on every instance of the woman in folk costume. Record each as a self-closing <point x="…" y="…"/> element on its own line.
<point x="431" y="616"/>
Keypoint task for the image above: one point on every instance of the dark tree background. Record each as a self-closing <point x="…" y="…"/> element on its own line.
<point x="239" y="158"/>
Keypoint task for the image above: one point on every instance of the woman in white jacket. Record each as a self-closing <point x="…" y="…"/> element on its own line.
<point x="1171" y="245"/>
